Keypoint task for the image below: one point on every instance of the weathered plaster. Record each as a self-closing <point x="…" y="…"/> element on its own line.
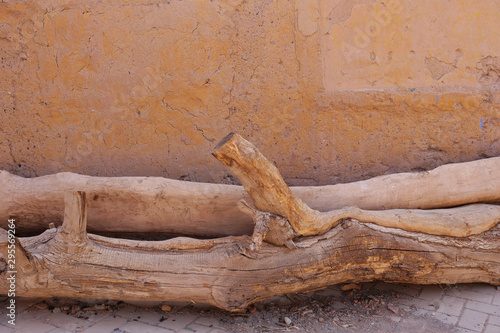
<point x="396" y="43"/>
<point x="143" y="87"/>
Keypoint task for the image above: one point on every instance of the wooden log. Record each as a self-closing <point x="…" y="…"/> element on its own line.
<point x="263" y="182"/>
<point x="125" y="205"/>
<point x="159" y="205"/>
<point x="233" y="272"/>
<point x="222" y="272"/>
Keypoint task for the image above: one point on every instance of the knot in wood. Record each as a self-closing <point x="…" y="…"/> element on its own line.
<point x="269" y="227"/>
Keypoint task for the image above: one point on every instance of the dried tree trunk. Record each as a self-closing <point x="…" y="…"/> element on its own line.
<point x="70" y="263"/>
<point x="231" y="274"/>
<point x="159" y="205"/>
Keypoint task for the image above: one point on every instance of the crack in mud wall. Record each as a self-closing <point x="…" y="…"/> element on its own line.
<point x="143" y="87"/>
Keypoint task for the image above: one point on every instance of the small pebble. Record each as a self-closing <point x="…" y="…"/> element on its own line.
<point x="166" y="308"/>
<point x="75" y="308"/>
<point x="350" y="286"/>
<point x="395" y="319"/>
<point x="288" y="321"/>
<point x="393" y="309"/>
<point x="41" y="306"/>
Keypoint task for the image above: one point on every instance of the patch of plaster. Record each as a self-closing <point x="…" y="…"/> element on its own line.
<point x="438" y="68"/>
<point x="307" y="16"/>
<point x="365" y="45"/>
<point x="341" y="10"/>
<point x="488" y="70"/>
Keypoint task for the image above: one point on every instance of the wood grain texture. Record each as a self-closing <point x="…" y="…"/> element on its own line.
<point x="160" y="205"/>
<point x="224" y="273"/>
<point x="446" y="245"/>
<point x="265" y="185"/>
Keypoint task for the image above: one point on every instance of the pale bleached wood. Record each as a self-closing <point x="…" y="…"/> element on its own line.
<point x="460" y="221"/>
<point x="265" y="185"/>
<point x="159" y="205"/>
<point x="68" y="262"/>
<point x="75" y="217"/>
<point x="223" y="273"/>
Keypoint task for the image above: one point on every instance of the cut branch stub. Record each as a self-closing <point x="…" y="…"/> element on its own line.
<point x="273" y="228"/>
<point x="74" y="227"/>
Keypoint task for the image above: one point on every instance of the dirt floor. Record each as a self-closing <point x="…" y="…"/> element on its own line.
<point x="365" y="310"/>
<point x="368" y="307"/>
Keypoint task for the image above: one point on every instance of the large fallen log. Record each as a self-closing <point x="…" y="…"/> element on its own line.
<point x="160" y="205"/>
<point x="233" y="272"/>
<point x="222" y="272"/>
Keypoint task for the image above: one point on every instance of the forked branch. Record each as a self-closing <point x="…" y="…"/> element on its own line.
<point x="264" y="183"/>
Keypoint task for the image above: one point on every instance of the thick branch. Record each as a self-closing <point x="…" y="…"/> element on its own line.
<point x="160" y="205"/>
<point x="221" y="272"/>
<point x="75" y="217"/>
<point x="263" y="182"/>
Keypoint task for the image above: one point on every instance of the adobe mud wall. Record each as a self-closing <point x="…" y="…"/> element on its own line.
<point x="330" y="90"/>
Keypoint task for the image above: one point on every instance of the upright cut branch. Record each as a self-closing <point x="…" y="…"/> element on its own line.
<point x="74" y="227"/>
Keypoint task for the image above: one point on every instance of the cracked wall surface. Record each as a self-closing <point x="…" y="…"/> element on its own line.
<point x="330" y="90"/>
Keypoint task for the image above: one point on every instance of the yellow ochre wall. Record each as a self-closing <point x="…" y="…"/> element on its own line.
<point x="330" y="90"/>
